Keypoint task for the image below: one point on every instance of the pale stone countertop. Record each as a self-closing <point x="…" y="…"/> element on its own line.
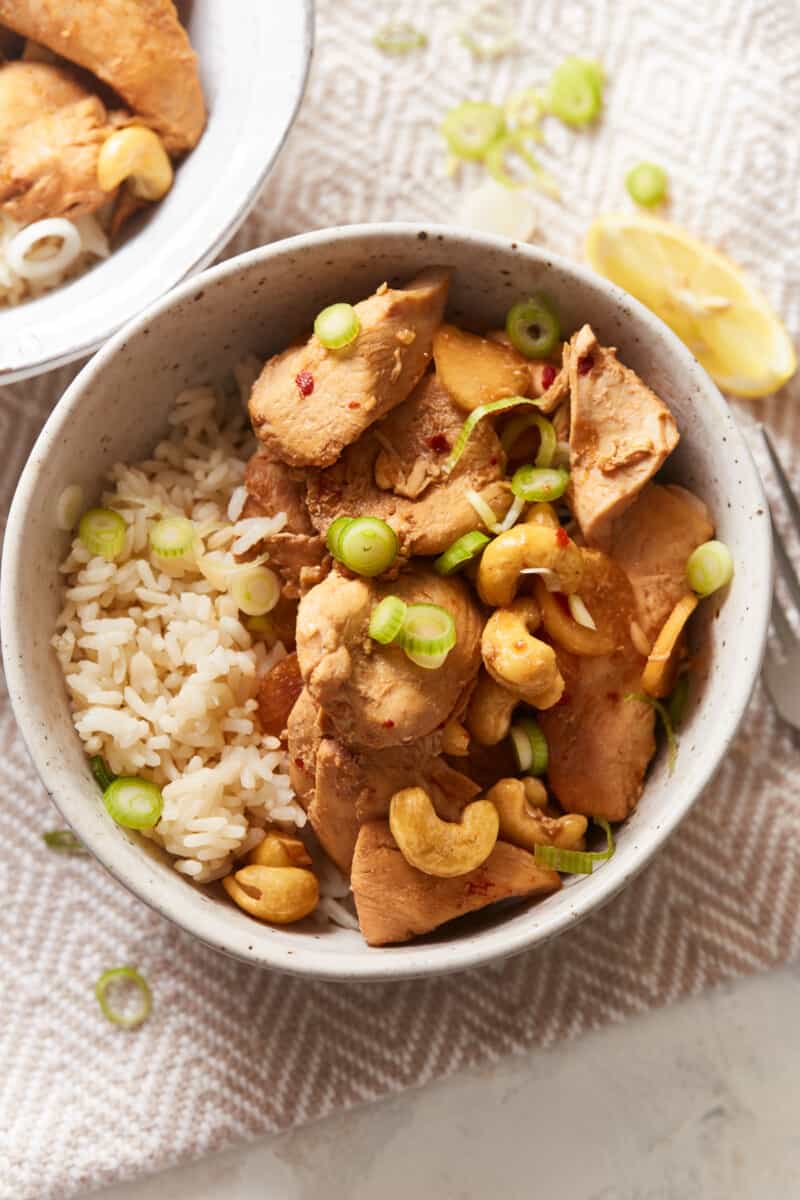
<point x="694" y="1102"/>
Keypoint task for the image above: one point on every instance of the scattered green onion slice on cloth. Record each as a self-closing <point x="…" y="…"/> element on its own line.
<point x="548" y="439"/>
<point x="63" y="840"/>
<point x="462" y="551"/>
<point x="172" y="537"/>
<point x="256" y="592"/>
<point x="579" y="612"/>
<point x="103" y="777"/>
<point x="530" y="746"/>
<point x="128" y="976"/>
<point x="337" y="326"/>
<point x="102" y="532"/>
<point x="540" y="484"/>
<point x="429" y="634"/>
<point x="387" y="619"/>
<point x="399" y="37"/>
<point x="575" y="91"/>
<point x="677" y="700"/>
<point x="647" y="184"/>
<point x="470" y="128"/>
<point x="533" y="327"/>
<point x="134" y="803"/>
<point x="501" y="153"/>
<point x="69" y="507"/>
<point x="576" y="862"/>
<point x="662" y="712"/>
<point x="483" y="410"/>
<point x="709" y="568"/>
<point x="366" y="545"/>
<point x="489" y="32"/>
<point x="335" y="531"/>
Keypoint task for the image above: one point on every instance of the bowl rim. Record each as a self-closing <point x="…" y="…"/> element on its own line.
<point x="44" y="362"/>
<point x="413" y="960"/>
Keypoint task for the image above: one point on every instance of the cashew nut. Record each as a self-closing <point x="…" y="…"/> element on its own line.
<point x="542" y="513"/>
<point x="521" y="548"/>
<point x="491" y="708"/>
<point x="279" y="895"/>
<point x="520" y="662"/>
<point x="518" y="803"/>
<point x="590" y="643"/>
<point x="455" y="739"/>
<point x="136" y="154"/>
<point x="279" y="850"/>
<point x="441" y="848"/>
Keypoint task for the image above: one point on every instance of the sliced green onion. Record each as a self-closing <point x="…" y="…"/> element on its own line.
<point x="490" y="32"/>
<point x="63" y="840"/>
<point x="533" y="327"/>
<point x="575" y="92"/>
<point x="666" y="720"/>
<point x="576" y="862"/>
<point x="256" y="592"/>
<point x="677" y="700"/>
<point x="548" y="439"/>
<point x="103" y="777"/>
<point x="512" y="516"/>
<point x="367" y="546"/>
<point x="477" y="414"/>
<point x="537" y="484"/>
<point x="126" y="975"/>
<point x="69" y="507"/>
<point x="530" y="746"/>
<point x="398" y="37"/>
<point x="172" y="537"/>
<point x="470" y="128"/>
<point x="335" y="531"/>
<point x="133" y="802"/>
<point x="524" y="110"/>
<point x="462" y="551"/>
<point x="337" y="326"/>
<point x="387" y="620"/>
<point x="102" y="532"/>
<point x="504" y="149"/>
<point x="647" y="184"/>
<point x="579" y="612"/>
<point x="483" y="509"/>
<point x="709" y="568"/>
<point x="429" y="634"/>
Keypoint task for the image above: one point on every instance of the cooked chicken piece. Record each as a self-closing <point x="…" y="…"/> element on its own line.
<point x="297" y="553"/>
<point x="620" y="434"/>
<point x="304" y="730"/>
<point x="138" y="47"/>
<point x="48" y="167"/>
<point x="374" y="695"/>
<point x="652" y="541"/>
<point x="11" y="44"/>
<point x="277" y="695"/>
<point x="309" y="402"/>
<point x="32" y="90"/>
<point x="396" y="471"/>
<point x="396" y="902"/>
<point x="331" y="811"/>
<point x="600" y="742"/>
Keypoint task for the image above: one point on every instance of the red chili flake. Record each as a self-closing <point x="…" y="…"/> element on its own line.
<point x="548" y="376"/>
<point x="480" y="887"/>
<point x="493" y="462"/>
<point x="613" y="696"/>
<point x="562" y="537"/>
<point x="585" y="364"/>
<point x="353" y="404"/>
<point x="305" y="383"/>
<point x="298" y="762"/>
<point x="438" y="443"/>
<point x="388" y="724"/>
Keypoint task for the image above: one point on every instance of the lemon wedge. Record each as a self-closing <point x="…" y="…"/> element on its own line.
<point x="705" y="298"/>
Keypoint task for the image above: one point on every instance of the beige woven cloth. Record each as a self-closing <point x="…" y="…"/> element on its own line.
<point x="712" y="91"/>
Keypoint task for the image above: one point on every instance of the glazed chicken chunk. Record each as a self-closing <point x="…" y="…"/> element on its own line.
<point x="309" y="402"/>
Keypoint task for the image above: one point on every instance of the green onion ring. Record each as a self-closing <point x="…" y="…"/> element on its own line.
<point x="337" y="326"/>
<point x="576" y="862"/>
<point x="335" y="531"/>
<point x="399" y="37"/>
<point x="533" y="327"/>
<point x="367" y="546"/>
<point x="102" y="531"/>
<point x="131" y="975"/>
<point x="133" y="803"/>
<point x="470" y="128"/>
<point x="386" y="622"/>
<point x="709" y="568"/>
<point x="172" y="537"/>
<point x="429" y="634"/>
<point x="575" y="92"/>
<point x="496" y="163"/>
<point x="547" y="434"/>
<point x="530" y="746"/>
<point x="462" y="551"/>
<point x="647" y="184"/>
<point x="539" y="485"/>
<point x="477" y="414"/>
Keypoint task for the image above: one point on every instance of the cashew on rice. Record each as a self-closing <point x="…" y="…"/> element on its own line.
<point x="279" y="895"/>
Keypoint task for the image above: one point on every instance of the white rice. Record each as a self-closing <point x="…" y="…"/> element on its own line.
<point x="162" y="675"/>
<point x="16" y="287"/>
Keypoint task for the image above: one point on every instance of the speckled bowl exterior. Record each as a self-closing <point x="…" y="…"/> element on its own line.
<point x="117" y="409"/>
<point x="253" y="60"/>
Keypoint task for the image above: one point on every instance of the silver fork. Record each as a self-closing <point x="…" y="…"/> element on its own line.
<point x="782" y="662"/>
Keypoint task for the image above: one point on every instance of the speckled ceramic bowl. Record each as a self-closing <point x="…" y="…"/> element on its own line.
<point x="117" y="409"/>
<point x="253" y="60"/>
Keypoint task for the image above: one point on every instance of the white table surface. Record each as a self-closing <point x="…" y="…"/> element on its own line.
<point x="695" y="1102"/>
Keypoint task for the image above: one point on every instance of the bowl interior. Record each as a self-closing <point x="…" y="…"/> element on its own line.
<point x="253" y="58"/>
<point x="117" y="409"/>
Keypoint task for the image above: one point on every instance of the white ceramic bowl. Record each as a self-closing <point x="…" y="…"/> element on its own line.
<point x="117" y="409"/>
<point x="253" y="61"/>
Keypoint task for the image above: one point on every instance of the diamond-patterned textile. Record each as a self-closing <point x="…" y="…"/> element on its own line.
<point x="711" y="91"/>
